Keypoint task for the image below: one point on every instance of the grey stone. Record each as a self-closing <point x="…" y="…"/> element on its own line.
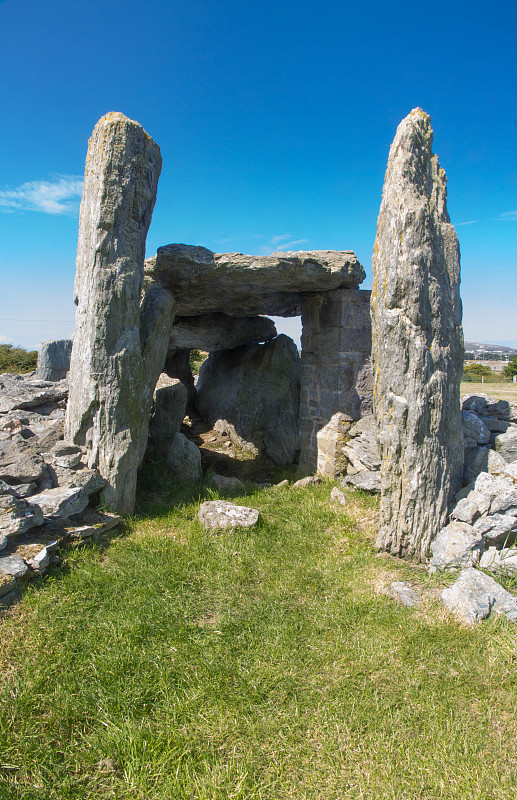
<point x="177" y="366"/>
<point x="475" y="595"/>
<point x="495" y="425"/>
<point x="7" y="584"/>
<point x="61" y="501"/>
<point x="282" y="483"/>
<point x="466" y="510"/>
<point x="30" y="393"/>
<point x="501" y="561"/>
<point x="54" y="360"/>
<point x="310" y="480"/>
<point x="183" y="459"/>
<point x="506" y="444"/>
<point x="362" y="447"/>
<point x="456" y="545"/>
<point x="474" y="430"/>
<point x="254" y="392"/>
<point x="505" y="503"/>
<point x="214" y="514"/>
<point x="203" y="281"/>
<point x="19" y="463"/>
<point x="212" y="332"/>
<point x="119" y="344"/>
<point x="16" y="514"/>
<point x="338" y="496"/>
<point x="335" y="374"/>
<point x="402" y="593"/>
<point x="367" y="481"/>
<point x="13" y="566"/>
<point x="168" y="413"/>
<point x="227" y="483"/>
<point x="497" y="529"/>
<point x="417" y="345"/>
<point x="476" y="462"/>
<point x="91" y="523"/>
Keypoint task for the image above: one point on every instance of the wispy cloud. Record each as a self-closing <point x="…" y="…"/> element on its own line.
<point x="59" y="195"/>
<point x="508" y="215"/>
<point x="5" y="339"/>
<point x="280" y="243"/>
<point x="470" y="222"/>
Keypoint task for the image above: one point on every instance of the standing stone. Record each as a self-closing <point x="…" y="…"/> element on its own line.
<point x="417" y="345"/>
<point x="119" y="346"/>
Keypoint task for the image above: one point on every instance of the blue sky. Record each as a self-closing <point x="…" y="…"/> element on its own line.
<point x="274" y="120"/>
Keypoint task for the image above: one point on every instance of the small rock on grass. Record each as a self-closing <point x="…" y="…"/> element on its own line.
<point x="215" y="514"/>
<point x="13" y="566"/>
<point x="402" y="593"/>
<point x="282" y="483"/>
<point x="308" y="481"/>
<point x="338" y="496"/>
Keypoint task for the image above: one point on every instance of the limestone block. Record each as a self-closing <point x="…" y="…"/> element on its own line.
<point x="203" y="281"/>
<point x="457" y="544"/>
<point x="183" y="459"/>
<point x="214" y="514"/>
<point x="16" y="514"/>
<point x="168" y="414"/>
<point x="417" y="345"/>
<point x="212" y="332"/>
<point x="402" y="593"/>
<point x="475" y="595"/>
<point x="506" y="444"/>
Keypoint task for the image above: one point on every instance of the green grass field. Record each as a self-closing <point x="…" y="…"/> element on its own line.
<point x="502" y="391"/>
<point x="170" y="663"/>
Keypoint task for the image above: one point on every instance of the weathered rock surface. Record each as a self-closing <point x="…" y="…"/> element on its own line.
<point x="212" y="332"/>
<point x="19" y="392"/>
<point x="54" y="360"/>
<point x="402" y="593"/>
<point x="16" y="514"/>
<point x="252" y="393"/>
<point x="335" y="374"/>
<point x="119" y="346"/>
<point x="475" y="595"/>
<point x="203" y="281"/>
<point x="338" y="496"/>
<point x="504" y="560"/>
<point x="19" y="463"/>
<point x="227" y="483"/>
<point x="456" y="545"/>
<point x="367" y="481"/>
<point x="361" y="452"/>
<point x="506" y="444"/>
<point x="61" y="501"/>
<point x="168" y="413"/>
<point x="183" y="459"/>
<point x="417" y="345"/>
<point x="214" y="514"/>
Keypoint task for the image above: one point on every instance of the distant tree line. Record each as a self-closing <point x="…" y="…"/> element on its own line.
<point x="16" y="360"/>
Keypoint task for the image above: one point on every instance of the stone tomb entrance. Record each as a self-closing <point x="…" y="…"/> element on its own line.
<point x="254" y="387"/>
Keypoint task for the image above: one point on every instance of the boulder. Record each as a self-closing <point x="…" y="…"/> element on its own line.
<point x="212" y="332"/>
<point x="61" y="501"/>
<point x="54" y="360"/>
<point x="506" y="444"/>
<point x="120" y="343"/>
<point x="417" y="345"/>
<point x="19" y="463"/>
<point x="475" y="595"/>
<point x="367" y="481"/>
<point x="13" y="566"/>
<point x="474" y="430"/>
<point x="501" y="561"/>
<point x="214" y="514"/>
<point x="183" y="459"/>
<point x="168" y="414"/>
<point x="227" y="483"/>
<point x="456" y="545"/>
<point x="252" y="392"/>
<point x="177" y="366"/>
<point x="203" y="281"/>
<point x="497" y="529"/>
<point x="29" y="393"/>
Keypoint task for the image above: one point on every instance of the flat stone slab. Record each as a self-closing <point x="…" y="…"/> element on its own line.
<point x="457" y="545"/>
<point x="215" y="514"/>
<point x="212" y="332"/>
<point x="475" y="595"/>
<point x="61" y="501"/>
<point x="502" y="561"/>
<point x="13" y="566"/>
<point x="203" y="281"/>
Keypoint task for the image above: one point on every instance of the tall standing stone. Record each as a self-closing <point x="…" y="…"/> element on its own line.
<point x="417" y="344"/>
<point x="119" y="346"/>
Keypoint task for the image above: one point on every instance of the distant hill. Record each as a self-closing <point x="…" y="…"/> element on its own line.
<point x="480" y="347"/>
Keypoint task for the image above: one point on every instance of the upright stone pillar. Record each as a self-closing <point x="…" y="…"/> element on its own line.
<point x="417" y="344"/>
<point x="335" y="375"/>
<point x="119" y="347"/>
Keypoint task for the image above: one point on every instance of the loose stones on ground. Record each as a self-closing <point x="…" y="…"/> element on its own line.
<point x="214" y="514"/>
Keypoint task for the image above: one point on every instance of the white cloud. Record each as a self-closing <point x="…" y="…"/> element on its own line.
<point x="471" y="222"/>
<point x="509" y="215"/>
<point x="59" y="195"/>
<point x="5" y="339"/>
<point x="278" y="244"/>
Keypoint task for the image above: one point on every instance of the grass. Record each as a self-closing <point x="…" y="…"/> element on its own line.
<point x="502" y="391"/>
<point x="170" y="663"/>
